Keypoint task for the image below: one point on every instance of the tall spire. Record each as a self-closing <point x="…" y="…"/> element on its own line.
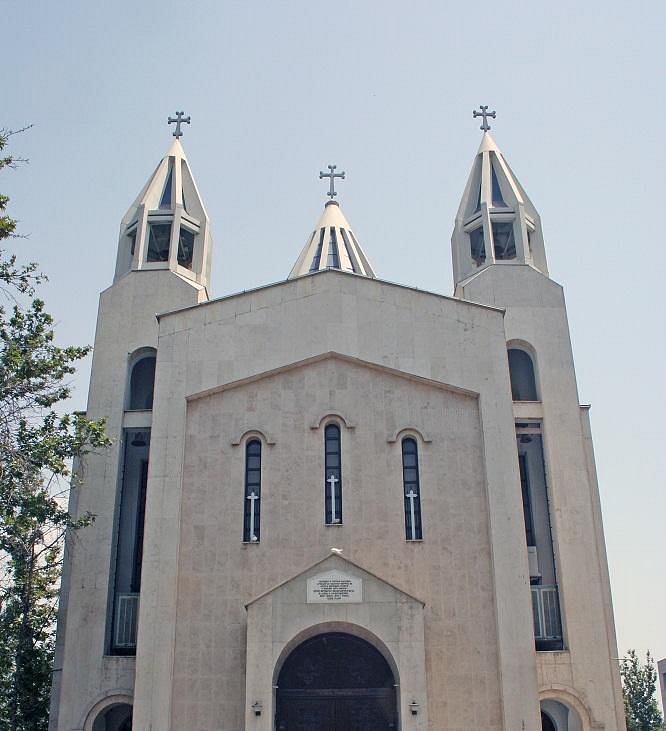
<point x="167" y="226"/>
<point x="496" y="221"/>
<point x="332" y="244"/>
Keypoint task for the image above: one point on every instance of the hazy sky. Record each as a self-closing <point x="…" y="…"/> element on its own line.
<point x="385" y="90"/>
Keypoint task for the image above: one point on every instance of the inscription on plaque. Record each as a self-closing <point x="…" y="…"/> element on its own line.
<point x="335" y="587"/>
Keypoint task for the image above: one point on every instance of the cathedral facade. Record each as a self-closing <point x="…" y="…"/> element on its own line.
<point x="335" y="502"/>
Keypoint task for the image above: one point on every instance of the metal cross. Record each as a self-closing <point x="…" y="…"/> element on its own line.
<point x="332" y="175"/>
<point x="485" y="114"/>
<point x="252" y="497"/>
<point x="412" y="496"/>
<point x="332" y="479"/>
<point x="178" y="120"/>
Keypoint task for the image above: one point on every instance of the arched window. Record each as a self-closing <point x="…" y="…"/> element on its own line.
<point x="412" y="489"/>
<point x="333" y="475"/>
<point x="142" y="383"/>
<point x="252" y="509"/>
<point x="521" y="370"/>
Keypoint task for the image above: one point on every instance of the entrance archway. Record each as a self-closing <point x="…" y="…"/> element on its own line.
<point x="336" y="682"/>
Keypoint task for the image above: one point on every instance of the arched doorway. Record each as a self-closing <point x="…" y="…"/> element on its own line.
<point x="336" y="682"/>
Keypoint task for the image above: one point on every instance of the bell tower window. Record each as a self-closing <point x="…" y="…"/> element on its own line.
<point x="185" y="248"/>
<point x="158" y="242"/>
<point x="504" y="241"/>
<point x="477" y="245"/>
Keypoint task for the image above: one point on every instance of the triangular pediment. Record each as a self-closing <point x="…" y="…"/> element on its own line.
<point x="331" y="355"/>
<point x="336" y="568"/>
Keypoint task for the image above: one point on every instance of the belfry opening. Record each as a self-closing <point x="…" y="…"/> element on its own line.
<point x="336" y="682"/>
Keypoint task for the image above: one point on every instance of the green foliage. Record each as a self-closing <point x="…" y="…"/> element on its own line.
<point x="37" y="446"/>
<point x="639" y="686"/>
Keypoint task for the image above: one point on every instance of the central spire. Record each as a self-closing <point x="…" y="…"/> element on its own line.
<point x="332" y="244"/>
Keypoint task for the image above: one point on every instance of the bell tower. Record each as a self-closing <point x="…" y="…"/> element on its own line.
<point x="163" y="264"/>
<point x="167" y="226"/>
<point x="499" y="259"/>
<point x="496" y="222"/>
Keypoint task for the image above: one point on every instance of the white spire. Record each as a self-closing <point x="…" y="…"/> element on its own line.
<point x="167" y="226"/>
<point x="496" y="221"/>
<point x="332" y="245"/>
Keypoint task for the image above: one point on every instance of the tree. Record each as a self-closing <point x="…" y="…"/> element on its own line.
<point x="37" y="446"/>
<point x="639" y="686"/>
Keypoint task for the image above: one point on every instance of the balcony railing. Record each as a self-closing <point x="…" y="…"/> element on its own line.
<point x="125" y="620"/>
<point x="546" y="610"/>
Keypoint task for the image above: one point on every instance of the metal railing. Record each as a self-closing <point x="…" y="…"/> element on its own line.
<point x="125" y="621"/>
<point x="546" y="610"/>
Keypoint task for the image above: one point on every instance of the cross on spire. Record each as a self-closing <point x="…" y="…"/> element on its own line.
<point x="178" y="120"/>
<point x="332" y="175"/>
<point x="485" y="114"/>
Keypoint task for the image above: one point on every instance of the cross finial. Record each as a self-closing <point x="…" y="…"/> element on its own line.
<point x="485" y="114"/>
<point x="178" y="120"/>
<point x="332" y="175"/>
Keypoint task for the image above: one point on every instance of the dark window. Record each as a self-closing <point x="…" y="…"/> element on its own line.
<point x="132" y="237"/>
<point x="478" y="199"/>
<point x="252" y="509"/>
<point x="333" y="474"/>
<point x="521" y="371"/>
<point x="348" y="248"/>
<point x="527" y="504"/>
<point x="165" y="201"/>
<point x="317" y="257"/>
<point x="185" y="248"/>
<point x="158" y="242"/>
<point x="477" y="245"/>
<point x="412" y="489"/>
<point x="129" y="532"/>
<point x="333" y="255"/>
<point x="498" y="201"/>
<point x="503" y="240"/>
<point x="142" y="384"/>
<point x="547" y="723"/>
<point x="183" y="174"/>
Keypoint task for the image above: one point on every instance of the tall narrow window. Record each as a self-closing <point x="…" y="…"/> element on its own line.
<point x="498" y="200"/>
<point x="317" y="257"/>
<point x="333" y="255"/>
<point x="129" y="541"/>
<point x="333" y="475"/>
<point x="252" y="510"/>
<point x="412" y="489"/>
<point x="527" y="501"/>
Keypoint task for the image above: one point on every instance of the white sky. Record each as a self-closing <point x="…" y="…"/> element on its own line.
<point x="277" y="90"/>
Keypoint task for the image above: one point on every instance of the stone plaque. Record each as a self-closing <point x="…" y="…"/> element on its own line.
<point x="335" y="587"/>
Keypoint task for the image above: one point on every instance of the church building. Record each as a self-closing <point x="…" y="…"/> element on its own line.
<point x="336" y="503"/>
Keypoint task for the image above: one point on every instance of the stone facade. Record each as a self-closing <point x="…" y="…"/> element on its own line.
<point x="452" y="612"/>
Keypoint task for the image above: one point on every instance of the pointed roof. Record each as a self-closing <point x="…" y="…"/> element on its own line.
<point x="494" y="198"/>
<point x="332" y="245"/>
<point x="170" y="185"/>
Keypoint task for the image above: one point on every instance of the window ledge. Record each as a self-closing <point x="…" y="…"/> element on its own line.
<point x="333" y="525"/>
